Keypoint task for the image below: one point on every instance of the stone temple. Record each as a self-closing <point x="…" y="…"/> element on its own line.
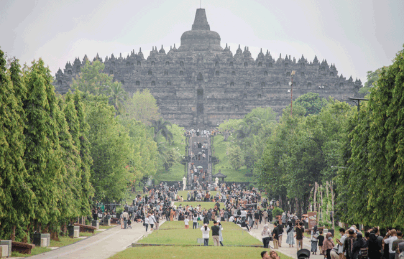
<point x="201" y="84"/>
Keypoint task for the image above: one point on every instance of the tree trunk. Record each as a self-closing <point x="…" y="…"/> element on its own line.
<point x="13" y="233"/>
<point x="315" y="195"/>
<point x="321" y="200"/>
<point x="25" y="239"/>
<point x="332" y="203"/>
<point x="54" y="235"/>
<point x="327" y="193"/>
<point x="46" y="229"/>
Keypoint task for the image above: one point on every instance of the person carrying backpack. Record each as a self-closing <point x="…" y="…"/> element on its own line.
<point x="348" y="244"/>
<point x="359" y="249"/>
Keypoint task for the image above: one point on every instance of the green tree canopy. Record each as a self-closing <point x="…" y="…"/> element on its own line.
<point x="92" y="80"/>
<point x="142" y="107"/>
<point x="373" y="178"/>
<point x="16" y="197"/>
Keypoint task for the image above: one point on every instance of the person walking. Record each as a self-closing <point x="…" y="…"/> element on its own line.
<point x="314" y="240"/>
<point x="275" y="235"/>
<point x="283" y="218"/>
<point x="220" y="234"/>
<point x="152" y="220"/>
<point x="122" y="221"/>
<point x="205" y="234"/>
<point x="299" y="236"/>
<point x="157" y="220"/>
<point x="215" y="234"/>
<point x="146" y="222"/>
<point x="265" y="216"/>
<point x="265" y="236"/>
<point x="280" y="234"/>
<point x="125" y="217"/>
<point x="290" y="233"/>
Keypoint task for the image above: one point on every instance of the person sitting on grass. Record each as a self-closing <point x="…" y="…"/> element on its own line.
<point x="186" y="221"/>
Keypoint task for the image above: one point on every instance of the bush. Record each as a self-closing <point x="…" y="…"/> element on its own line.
<point x="277" y="211"/>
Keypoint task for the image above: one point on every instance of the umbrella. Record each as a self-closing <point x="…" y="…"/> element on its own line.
<point x="199" y="167"/>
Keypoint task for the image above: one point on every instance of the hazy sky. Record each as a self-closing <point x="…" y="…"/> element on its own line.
<point x="357" y="36"/>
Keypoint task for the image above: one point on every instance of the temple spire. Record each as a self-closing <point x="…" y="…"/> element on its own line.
<point x="200" y="22"/>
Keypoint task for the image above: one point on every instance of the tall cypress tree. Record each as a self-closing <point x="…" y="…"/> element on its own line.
<point x="80" y="134"/>
<point x="15" y="194"/>
<point x="42" y="156"/>
<point x="70" y="187"/>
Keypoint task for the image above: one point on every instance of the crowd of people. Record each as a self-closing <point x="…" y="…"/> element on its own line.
<point x="234" y="203"/>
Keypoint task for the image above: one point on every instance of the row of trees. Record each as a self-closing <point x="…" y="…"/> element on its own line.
<point x="59" y="155"/>
<point x="329" y="151"/>
<point x="45" y="163"/>
<point x="303" y="150"/>
<point x="370" y="184"/>
<point x="136" y="110"/>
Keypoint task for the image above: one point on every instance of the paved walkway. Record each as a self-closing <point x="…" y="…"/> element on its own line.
<point x="100" y="246"/>
<point x="285" y="249"/>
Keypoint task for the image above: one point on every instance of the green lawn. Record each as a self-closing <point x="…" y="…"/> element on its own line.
<point x="64" y="241"/>
<point x="204" y="205"/>
<point x="34" y="251"/>
<point x="177" y="171"/>
<point x="174" y="232"/>
<point x="224" y="165"/>
<point x="184" y="252"/>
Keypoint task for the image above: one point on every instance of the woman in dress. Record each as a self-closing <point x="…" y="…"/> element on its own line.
<point x="314" y="240"/>
<point x="290" y="239"/>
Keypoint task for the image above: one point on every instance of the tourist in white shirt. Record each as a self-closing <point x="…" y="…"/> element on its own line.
<point x="340" y="243"/>
<point x="194" y="221"/>
<point x="152" y="220"/>
<point x="146" y="222"/>
<point x="186" y="221"/>
<point x="205" y="234"/>
<point x="388" y="239"/>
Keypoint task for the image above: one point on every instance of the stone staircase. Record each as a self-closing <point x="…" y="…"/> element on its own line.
<point x="195" y="158"/>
